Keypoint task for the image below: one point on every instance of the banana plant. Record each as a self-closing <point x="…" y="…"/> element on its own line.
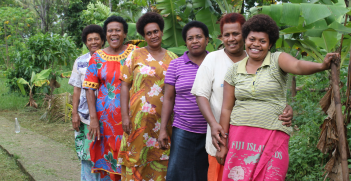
<point x="313" y="27"/>
<point x="170" y="10"/>
<point x="37" y="80"/>
<point x="176" y="15"/>
<point x="229" y="6"/>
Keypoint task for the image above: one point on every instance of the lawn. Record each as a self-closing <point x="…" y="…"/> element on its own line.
<point x="12" y="105"/>
<point x="9" y="171"/>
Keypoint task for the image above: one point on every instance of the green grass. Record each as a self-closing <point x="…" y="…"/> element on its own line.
<point x="16" y="101"/>
<point x="65" y="87"/>
<point x="13" y="105"/>
<point x="9" y="170"/>
<point x="10" y="101"/>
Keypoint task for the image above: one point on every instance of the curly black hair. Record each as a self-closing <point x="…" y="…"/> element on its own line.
<point x="150" y="17"/>
<point x="118" y="19"/>
<point x="196" y="24"/>
<point x="93" y="29"/>
<point x="262" y="23"/>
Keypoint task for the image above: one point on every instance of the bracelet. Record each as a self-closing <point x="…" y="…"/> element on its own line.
<point x="226" y="134"/>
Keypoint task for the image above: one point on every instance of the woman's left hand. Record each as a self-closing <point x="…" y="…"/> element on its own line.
<point x="221" y="155"/>
<point x="327" y="60"/>
<point x="287" y="116"/>
<point x="163" y="139"/>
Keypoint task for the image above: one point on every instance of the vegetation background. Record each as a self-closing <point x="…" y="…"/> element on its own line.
<point x="38" y="35"/>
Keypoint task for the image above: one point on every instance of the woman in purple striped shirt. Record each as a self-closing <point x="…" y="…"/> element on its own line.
<point x="188" y="158"/>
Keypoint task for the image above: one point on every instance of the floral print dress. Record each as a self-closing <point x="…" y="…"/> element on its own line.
<point x="103" y="74"/>
<point x="140" y="156"/>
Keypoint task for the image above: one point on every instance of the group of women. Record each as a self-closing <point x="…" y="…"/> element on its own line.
<point x="145" y="114"/>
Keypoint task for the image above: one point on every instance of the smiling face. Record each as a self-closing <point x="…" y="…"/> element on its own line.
<point x="196" y="41"/>
<point x="94" y="42"/>
<point x="257" y="45"/>
<point x="115" y="34"/>
<point x="232" y="38"/>
<point x="153" y="35"/>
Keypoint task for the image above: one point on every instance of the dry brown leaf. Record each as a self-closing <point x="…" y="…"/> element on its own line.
<point x="325" y="101"/>
<point x="330" y="164"/>
<point x="335" y="174"/>
<point x="331" y="109"/>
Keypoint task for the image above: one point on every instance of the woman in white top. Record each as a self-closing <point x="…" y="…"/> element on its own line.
<point x="208" y="86"/>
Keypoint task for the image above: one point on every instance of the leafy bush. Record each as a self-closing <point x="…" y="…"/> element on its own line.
<point x="306" y="161"/>
<point x="43" y="51"/>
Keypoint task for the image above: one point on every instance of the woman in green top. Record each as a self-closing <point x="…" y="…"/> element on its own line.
<point x="254" y="96"/>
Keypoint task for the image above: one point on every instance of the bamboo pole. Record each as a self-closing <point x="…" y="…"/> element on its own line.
<point x="339" y="119"/>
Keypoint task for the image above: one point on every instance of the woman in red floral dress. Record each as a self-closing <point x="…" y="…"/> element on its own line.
<point x="105" y="111"/>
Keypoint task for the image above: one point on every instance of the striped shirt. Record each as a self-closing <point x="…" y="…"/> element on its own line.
<point x="260" y="97"/>
<point x="181" y="73"/>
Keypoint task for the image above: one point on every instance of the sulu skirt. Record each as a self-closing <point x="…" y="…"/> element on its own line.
<point x="188" y="159"/>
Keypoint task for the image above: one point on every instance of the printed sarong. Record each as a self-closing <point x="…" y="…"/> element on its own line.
<point x="256" y="154"/>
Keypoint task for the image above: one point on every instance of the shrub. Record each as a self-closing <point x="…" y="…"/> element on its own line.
<point x="43" y="51"/>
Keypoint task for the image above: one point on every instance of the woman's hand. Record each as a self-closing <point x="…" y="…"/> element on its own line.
<point x="75" y="121"/>
<point x="163" y="139"/>
<point x="127" y="125"/>
<point x="217" y="134"/>
<point x="94" y="128"/>
<point x="287" y="116"/>
<point x="327" y="60"/>
<point x="221" y="155"/>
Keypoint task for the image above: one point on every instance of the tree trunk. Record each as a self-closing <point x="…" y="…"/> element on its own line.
<point x="31" y="102"/>
<point x="293" y="86"/>
<point x="7" y="49"/>
<point x="242" y="7"/>
<point x="110" y="4"/>
<point x="339" y="119"/>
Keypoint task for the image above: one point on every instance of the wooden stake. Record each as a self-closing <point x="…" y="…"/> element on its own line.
<point x="339" y="119"/>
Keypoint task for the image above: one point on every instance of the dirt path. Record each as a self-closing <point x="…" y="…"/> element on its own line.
<point x="42" y="157"/>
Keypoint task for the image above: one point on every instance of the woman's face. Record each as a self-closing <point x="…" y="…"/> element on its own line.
<point x="232" y="38"/>
<point x="196" y="41"/>
<point x="94" y="42"/>
<point x="257" y="45"/>
<point x="153" y="35"/>
<point x="115" y="34"/>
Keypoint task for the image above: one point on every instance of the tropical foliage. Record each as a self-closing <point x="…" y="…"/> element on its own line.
<point x="313" y="35"/>
<point x="37" y="35"/>
<point x="36" y="80"/>
<point x="43" y="51"/>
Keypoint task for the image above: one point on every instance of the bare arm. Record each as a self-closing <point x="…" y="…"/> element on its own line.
<point x="216" y="129"/>
<point x="227" y="107"/>
<point x="292" y="65"/>
<point x="126" y="123"/>
<point x="75" y="103"/>
<point x="94" y="128"/>
<point x="167" y="109"/>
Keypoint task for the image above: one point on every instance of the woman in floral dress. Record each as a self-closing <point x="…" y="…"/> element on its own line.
<point x="105" y="112"/>
<point x="143" y="85"/>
